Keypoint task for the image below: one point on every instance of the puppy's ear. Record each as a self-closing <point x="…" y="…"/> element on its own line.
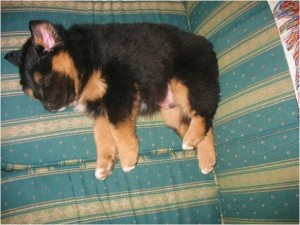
<point x="14" y="57"/>
<point x="44" y="34"/>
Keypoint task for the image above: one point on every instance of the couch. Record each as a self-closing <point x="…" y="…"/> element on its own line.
<point x="48" y="159"/>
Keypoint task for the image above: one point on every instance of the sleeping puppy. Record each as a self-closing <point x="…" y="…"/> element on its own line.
<point x="117" y="72"/>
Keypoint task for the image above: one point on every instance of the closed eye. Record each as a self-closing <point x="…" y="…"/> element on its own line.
<point x="47" y="80"/>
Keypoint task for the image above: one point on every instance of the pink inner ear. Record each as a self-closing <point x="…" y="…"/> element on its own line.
<point x="48" y="38"/>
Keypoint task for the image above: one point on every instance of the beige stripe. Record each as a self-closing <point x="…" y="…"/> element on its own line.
<point x="115" y="195"/>
<point x="12" y="93"/>
<point x="15" y="33"/>
<point x="47" y="136"/>
<point x="214" y="13"/>
<point x="21" y="5"/>
<point x="248" y="48"/>
<point x="219" y="120"/>
<point x="96" y="7"/>
<point x="48" y="116"/>
<point x="153" y="118"/>
<point x="252" y="36"/>
<point x="13" y="42"/>
<point x="64" y="126"/>
<point x="261" y="84"/>
<point x="259" y="221"/>
<point x="175" y="157"/>
<point x="10" y="85"/>
<point x="265" y="166"/>
<point x="115" y="207"/>
<point x="283" y="177"/>
<point x="136" y="6"/>
<point x="190" y="5"/>
<point x="238" y="105"/>
<point x="224" y="14"/>
<point x="43" y="127"/>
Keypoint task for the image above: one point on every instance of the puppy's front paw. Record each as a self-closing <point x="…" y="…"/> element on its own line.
<point x="206" y="156"/>
<point x="105" y="165"/>
<point x="129" y="158"/>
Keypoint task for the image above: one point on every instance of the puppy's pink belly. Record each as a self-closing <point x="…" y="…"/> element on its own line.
<point x="168" y="102"/>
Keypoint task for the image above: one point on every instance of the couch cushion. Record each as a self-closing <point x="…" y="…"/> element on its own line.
<point x="157" y="191"/>
<point x="51" y="157"/>
<point x="256" y="126"/>
<point x="32" y="137"/>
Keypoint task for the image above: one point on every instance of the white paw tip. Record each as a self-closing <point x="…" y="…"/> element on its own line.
<point x="187" y="147"/>
<point x="206" y="171"/>
<point x="127" y="169"/>
<point x="100" y="174"/>
<point x="80" y="108"/>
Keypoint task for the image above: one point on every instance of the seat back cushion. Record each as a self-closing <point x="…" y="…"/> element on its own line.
<point x="256" y="126"/>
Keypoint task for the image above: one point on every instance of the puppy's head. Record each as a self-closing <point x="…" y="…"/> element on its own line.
<point x="46" y="68"/>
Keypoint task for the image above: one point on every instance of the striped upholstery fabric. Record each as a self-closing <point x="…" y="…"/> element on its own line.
<point x="51" y="157"/>
<point x="257" y="128"/>
<point x="48" y="159"/>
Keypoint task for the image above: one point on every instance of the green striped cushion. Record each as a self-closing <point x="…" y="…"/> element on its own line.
<point x="157" y="191"/>
<point x="52" y="156"/>
<point x="256" y="125"/>
<point x="256" y="128"/>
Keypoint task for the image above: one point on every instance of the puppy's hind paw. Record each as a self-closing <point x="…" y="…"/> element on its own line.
<point x="207" y="161"/>
<point x="206" y="169"/>
<point x="187" y="147"/>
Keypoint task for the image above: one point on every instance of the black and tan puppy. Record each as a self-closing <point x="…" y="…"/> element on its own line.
<point x="116" y="72"/>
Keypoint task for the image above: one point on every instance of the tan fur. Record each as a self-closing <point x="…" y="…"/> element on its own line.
<point x="39" y="41"/>
<point x="37" y="77"/>
<point x="195" y="133"/>
<point x="94" y="89"/>
<point x="125" y="137"/>
<point x="62" y="63"/>
<point x="29" y="92"/>
<point x="180" y="95"/>
<point x="206" y="153"/>
<point x="196" y="130"/>
<point x="173" y="118"/>
<point x="106" y="147"/>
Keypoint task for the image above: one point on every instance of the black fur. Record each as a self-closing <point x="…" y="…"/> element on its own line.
<point x="132" y="58"/>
